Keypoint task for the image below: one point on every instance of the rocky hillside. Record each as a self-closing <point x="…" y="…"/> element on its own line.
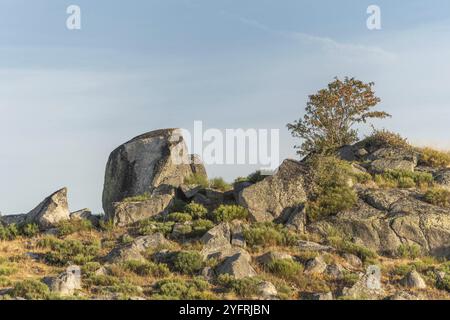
<point x="371" y="222"/>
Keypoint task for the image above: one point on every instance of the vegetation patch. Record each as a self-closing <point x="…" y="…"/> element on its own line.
<point x="225" y="213"/>
<point x="438" y="197"/>
<point x="267" y="234"/>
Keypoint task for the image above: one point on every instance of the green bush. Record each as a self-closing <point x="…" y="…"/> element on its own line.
<point x="244" y="288"/>
<point x="409" y="251"/>
<point x="63" y="252"/>
<point x="181" y="289"/>
<point x="285" y="268"/>
<point x="150" y="226"/>
<point x="29" y="230"/>
<point x="139" y="198"/>
<point x="226" y="213"/>
<point x="68" y="227"/>
<point x="331" y="191"/>
<point x="196" y="210"/>
<point x="269" y="234"/>
<point x="433" y="158"/>
<point x="8" y="233"/>
<point x="404" y="179"/>
<point x="30" y="290"/>
<point x="384" y="138"/>
<point x="438" y="197"/>
<point x="147" y="268"/>
<point x="201" y="226"/>
<point x="197" y="179"/>
<point x="188" y="262"/>
<point x="347" y="246"/>
<point x="12" y="231"/>
<point x="179" y="217"/>
<point x="219" y="184"/>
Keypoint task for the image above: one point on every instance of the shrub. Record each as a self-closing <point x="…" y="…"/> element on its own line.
<point x="244" y="288"/>
<point x="188" y="262"/>
<point x="196" y="210"/>
<point x="219" y="184"/>
<point x="226" y="213"/>
<point x="180" y="289"/>
<point x="68" y="227"/>
<point x="409" y="251"/>
<point x="147" y="268"/>
<point x="433" y="158"/>
<point x="151" y="226"/>
<point x="330" y="189"/>
<point x="438" y="197"/>
<point x="201" y="226"/>
<point x="384" y="138"/>
<point x="197" y="179"/>
<point x="31" y="290"/>
<point x="269" y="234"/>
<point x="70" y="251"/>
<point x="344" y="245"/>
<point x="285" y="268"/>
<point x="138" y="198"/>
<point x="404" y="179"/>
<point x="8" y="233"/>
<point x="179" y="217"/>
<point x="29" y="230"/>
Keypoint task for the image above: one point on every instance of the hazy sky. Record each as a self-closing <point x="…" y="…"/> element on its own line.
<point x="68" y="98"/>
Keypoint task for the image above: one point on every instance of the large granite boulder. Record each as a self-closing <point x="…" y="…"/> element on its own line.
<point x="405" y="220"/>
<point x="276" y="195"/>
<point x="145" y="164"/>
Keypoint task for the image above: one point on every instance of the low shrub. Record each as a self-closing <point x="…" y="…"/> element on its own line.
<point x="225" y="213"/>
<point x="197" y="179"/>
<point x="384" y="138"/>
<point x="12" y="231"/>
<point x="438" y="197"/>
<point x="30" y="290"/>
<point x="433" y="158"/>
<point x="347" y="246"/>
<point x="404" y="179"/>
<point x="285" y="268"/>
<point x="219" y="184"/>
<point x="150" y="226"/>
<point x="63" y="252"/>
<point x="68" y="227"/>
<point x="179" y="217"/>
<point x="244" y="288"/>
<point x="147" y="268"/>
<point x="330" y="202"/>
<point x="188" y="262"/>
<point x="409" y="251"/>
<point x="269" y="234"/>
<point x="138" y="198"/>
<point x="181" y="289"/>
<point x="8" y="233"/>
<point x="201" y="226"/>
<point x="196" y="210"/>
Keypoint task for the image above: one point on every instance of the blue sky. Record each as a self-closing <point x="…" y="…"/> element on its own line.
<point x="68" y="98"/>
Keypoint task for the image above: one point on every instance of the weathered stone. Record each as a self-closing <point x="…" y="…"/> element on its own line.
<point x="51" y="211"/>
<point x="189" y="191"/>
<point x="267" y="290"/>
<point x="297" y="219"/>
<point x="442" y="177"/>
<point x="272" y="256"/>
<point x="386" y="159"/>
<point x="237" y="234"/>
<point x="318" y="296"/>
<point x="85" y="214"/>
<point x="239" y="186"/>
<point x="67" y="283"/>
<point x="217" y="241"/>
<point x="134" y="250"/>
<point x="352" y="260"/>
<point x="269" y="198"/>
<point x="335" y="270"/>
<point x="368" y="287"/>
<point x="383" y="199"/>
<point x="312" y="246"/>
<point x="414" y="280"/>
<point x="128" y="212"/>
<point x="145" y="163"/>
<point x="237" y="265"/>
<point x="315" y="266"/>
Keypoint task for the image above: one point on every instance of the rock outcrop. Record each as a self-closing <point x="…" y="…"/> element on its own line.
<point x="47" y="214"/>
<point x="368" y="287"/>
<point x="390" y="218"/>
<point x="67" y="283"/>
<point x="145" y="164"/>
<point x="276" y="195"/>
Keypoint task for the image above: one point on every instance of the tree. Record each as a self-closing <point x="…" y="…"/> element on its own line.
<point x="331" y="114"/>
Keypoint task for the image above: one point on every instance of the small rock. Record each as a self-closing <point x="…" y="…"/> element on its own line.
<point x="312" y="246"/>
<point x="315" y="266"/>
<point x="67" y="283"/>
<point x="237" y="265"/>
<point x="414" y="280"/>
<point x="353" y="260"/>
<point x="267" y="290"/>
